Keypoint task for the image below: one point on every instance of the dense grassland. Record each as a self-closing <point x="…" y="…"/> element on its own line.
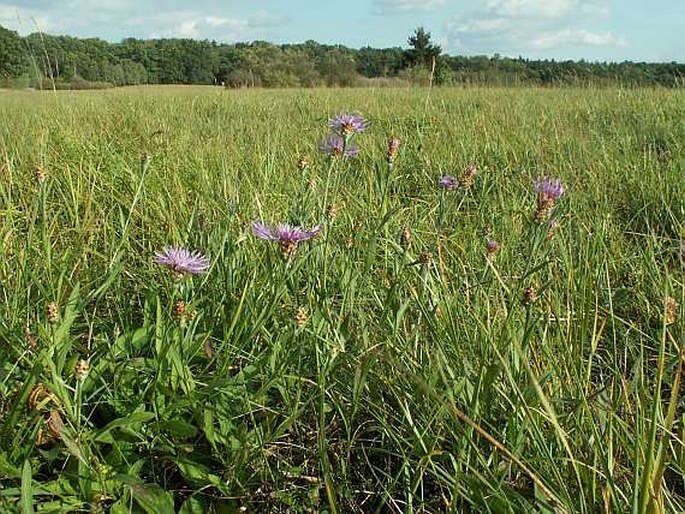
<point x="389" y="365"/>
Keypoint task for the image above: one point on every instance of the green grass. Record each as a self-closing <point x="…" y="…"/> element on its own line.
<point x="412" y="386"/>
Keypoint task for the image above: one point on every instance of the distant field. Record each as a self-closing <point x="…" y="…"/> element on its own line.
<point x="432" y="349"/>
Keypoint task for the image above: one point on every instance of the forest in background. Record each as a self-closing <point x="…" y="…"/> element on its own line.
<point x="45" y="61"/>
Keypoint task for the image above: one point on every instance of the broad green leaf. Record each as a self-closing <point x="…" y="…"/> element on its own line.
<point x="129" y="421"/>
<point x="26" y="489"/>
<point x="153" y="499"/>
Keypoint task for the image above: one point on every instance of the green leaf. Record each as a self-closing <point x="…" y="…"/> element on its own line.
<point x="130" y="421"/>
<point x="197" y="474"/>
<point x="192" y="506"/>
<point x="136" y="340"/>
<point x="26" y="489"/>
<point x="179" y="428"/>
<point x="7" y="469"/>
<point x="152" y="498"/>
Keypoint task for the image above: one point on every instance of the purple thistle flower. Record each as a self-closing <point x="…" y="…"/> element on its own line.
<point x="492" y="246"/>
<point x="346" y="124"/>
<point x="333" y="145"/>
<point x="550" y="188"/>
<point x="287" y="236"/>
<point x="448" y="182"/>
<point x="182" y="261"/>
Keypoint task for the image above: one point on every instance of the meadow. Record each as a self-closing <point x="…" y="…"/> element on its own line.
<point x="448" y="339"/>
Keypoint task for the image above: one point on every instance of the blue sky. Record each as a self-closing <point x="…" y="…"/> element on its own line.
<point x="611" y="30"/>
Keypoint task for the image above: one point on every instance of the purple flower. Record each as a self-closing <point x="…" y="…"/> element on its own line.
<point x="182" y="261"/>
<point x="448" y="182"/>
<point x="549" y="188"/>
<point x="346" y="124"/>
<point x="287" y="236"/>
<point x="492" y="246"/>
<point x="333" y="145"/>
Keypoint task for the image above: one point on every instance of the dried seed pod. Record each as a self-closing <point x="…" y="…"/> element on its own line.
<point x="41" y="174"/>
<point x="391" y="152"/>
<point x="52" y="311"/>
<point x="302" y="162"/>
<point x="670" y="310"/>
<point x="332" y="210"/>
<point x="530" y="295"/>
<point x="29" y="338"/>
<point x="405" y="238"/>
<point x="301" y="317"/>
<point x="82" y="369"/>
<point x="468" y="176"/>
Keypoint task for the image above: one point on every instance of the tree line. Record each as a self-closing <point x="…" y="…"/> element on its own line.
<point x="46" y="61"/>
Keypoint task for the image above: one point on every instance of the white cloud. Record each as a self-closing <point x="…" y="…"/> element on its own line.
<point x="187" y="28"/>
<point x="525" y="27"/>
<point x="409" y="5"/>
<point x="207" y="27"/>
<point x="576" y="37"/>
<point x="531" y="8"/>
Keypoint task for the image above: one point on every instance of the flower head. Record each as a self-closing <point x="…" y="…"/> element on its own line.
<point x="334" y="146"/>
<point x="345" y="124"/>
<point x="287" y="236"/>
<point x="448" y="182"/>
<point x="549" y="191"/>
<point x="468" y="175"/>
<point x="492" y="246"/>
<point x="393" y="147"/>
<point x="182" y="261"/>
<point x="549" y="188"/>
<point x="302" y="162"/>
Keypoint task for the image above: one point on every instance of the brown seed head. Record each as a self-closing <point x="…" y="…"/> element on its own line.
<point x="179" y="310"/>
<point x="82" y="369"/>
<point x="52" y="311"/>
<point x="530" y="295"/>
<point x="670" y="310"/>
<point x="41" y="174"/>
<point x="405" y="238"/>
<point x="393" y="147"/>
<point x="302" y="162"/>
<point x="349" y="243"/>
<point x="332" y="210"/>
<point x="301" y="317"/>
<point x="468" y="176"/>
<point x="29" y="338"/>
<point x="424" y="258"/>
